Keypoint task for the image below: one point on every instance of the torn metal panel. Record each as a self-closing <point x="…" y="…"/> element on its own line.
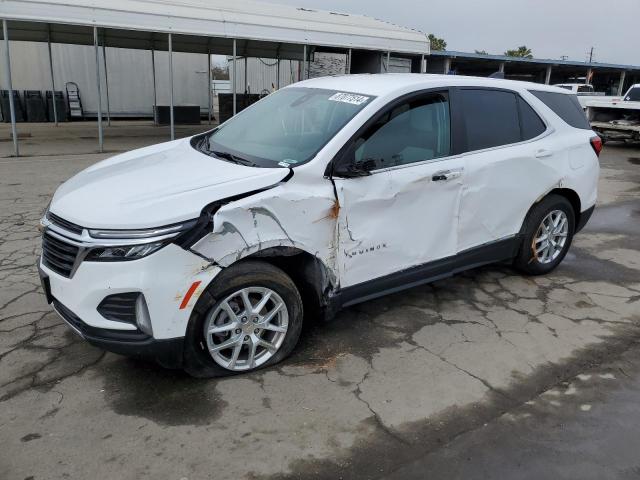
<point x="300" y="216"/>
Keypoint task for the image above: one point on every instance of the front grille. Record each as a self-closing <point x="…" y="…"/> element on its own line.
<point x="62" y="223"/>
<point x="120" y="307"/>
<point x="58" y="255"/>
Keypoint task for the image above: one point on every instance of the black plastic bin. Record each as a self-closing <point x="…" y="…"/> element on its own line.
<point x="182" y="114"/>
<point x="34" y="106"/>
<point x="61" y="106"/>
<point x="4" y="105"/>
<point x="243" y="100"/>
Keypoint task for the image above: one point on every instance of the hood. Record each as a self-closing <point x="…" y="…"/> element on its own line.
<point x="154" y="186"/>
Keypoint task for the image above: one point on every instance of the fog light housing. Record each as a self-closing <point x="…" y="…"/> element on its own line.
<point x="143" y="320"/>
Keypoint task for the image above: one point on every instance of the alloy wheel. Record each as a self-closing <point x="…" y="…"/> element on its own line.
<point x="247" y="328"/>
<point x="551" y="236"/>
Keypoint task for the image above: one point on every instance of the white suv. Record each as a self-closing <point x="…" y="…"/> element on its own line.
<point x="206" y="253"/>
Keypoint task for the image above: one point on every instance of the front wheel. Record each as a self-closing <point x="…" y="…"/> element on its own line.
<point x="547" y="234"/>
<point x="248" y="318"/>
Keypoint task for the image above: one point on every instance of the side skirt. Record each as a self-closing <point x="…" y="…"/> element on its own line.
<point x="493" y="252"/>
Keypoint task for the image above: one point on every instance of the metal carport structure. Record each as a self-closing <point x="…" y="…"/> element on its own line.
<point x="244" y="27"/>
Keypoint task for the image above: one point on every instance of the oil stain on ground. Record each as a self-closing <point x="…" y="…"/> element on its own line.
<point x="166" y="397"/>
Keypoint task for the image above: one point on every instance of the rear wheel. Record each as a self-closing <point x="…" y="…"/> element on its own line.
<point x="547" y="234"/>
<point x="248" y="318"/>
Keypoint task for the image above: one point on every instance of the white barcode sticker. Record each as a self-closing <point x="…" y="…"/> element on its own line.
<point x="348" y="98"/>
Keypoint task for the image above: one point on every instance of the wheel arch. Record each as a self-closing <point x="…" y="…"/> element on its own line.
<point x="571" y="195"/>
<point x="574" y="200"/>
<point x="314" y="279"/>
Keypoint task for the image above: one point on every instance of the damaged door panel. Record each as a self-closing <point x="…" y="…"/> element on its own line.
<point x="405" y="212"/>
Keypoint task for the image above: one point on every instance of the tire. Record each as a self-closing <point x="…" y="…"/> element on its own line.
<point x="256" y="278"/>
<point x="529" y="261"/>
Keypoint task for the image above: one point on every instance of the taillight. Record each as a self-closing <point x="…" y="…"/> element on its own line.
<point x="596" y="143"/>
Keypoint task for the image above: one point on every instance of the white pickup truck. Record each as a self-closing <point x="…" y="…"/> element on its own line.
<point x="584" y="91"/>
<point x="616" y="118"/>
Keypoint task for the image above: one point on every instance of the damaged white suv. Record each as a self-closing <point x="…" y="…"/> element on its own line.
<point x="206" y="253"/>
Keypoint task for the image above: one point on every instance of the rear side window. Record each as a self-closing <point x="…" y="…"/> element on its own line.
<point x="633" y="95"/>
<point x="490" y="118"/>
<point x="566" y="107"/>
<point x="530" y="122"/>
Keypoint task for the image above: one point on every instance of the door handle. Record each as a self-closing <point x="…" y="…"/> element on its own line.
<point x="543" y="153"/>
<point x="446" y="175"/>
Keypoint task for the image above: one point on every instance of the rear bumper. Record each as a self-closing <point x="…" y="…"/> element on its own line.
<point x="584" y="218"/>
<point x="167" y="352"/>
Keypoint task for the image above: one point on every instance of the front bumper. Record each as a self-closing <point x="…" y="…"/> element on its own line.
<point x="167" y="353"/>
<point x="164" y="278"/>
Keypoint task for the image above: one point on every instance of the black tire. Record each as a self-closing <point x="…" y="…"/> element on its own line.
<point x="197" y="360"/>
<point x="526" y="261"/>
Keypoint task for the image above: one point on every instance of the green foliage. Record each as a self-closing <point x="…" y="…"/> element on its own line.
<point x="437" y="43"/>
<point x="521" y="52"/>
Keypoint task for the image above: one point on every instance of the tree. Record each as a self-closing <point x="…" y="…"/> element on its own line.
<point x="437" y="43"/>
<point x="522" y="52"/>
<point x="481" y="52"/>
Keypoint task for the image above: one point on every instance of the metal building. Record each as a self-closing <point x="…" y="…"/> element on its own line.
<point x="243" y="27"/>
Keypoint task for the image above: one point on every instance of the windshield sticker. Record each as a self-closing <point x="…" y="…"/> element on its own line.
<point x="351" y="98"/>
<point x="287" y="162"/>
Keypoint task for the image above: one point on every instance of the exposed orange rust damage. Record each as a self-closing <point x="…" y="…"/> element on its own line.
<point x="334" y="210"/>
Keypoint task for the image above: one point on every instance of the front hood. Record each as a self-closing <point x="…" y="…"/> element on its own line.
<point x="154" y="186"/>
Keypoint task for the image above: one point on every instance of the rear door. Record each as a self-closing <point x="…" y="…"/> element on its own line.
<point x="404" y="212"/>
<point x="509" y="163"/>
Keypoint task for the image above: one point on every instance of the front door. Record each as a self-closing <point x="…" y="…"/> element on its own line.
<point x="405" y="212"/>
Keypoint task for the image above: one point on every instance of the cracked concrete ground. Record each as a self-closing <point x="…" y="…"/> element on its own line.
<point x="387" y="383"/>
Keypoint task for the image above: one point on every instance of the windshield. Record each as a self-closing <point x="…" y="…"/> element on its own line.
<point x="286" y="128"/>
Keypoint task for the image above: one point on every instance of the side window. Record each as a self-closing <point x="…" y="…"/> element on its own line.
<point x="411" y="132"/>
<point x="530" y="122"/>
<point x="565" y="106"/>
<point x="490" y="118"/>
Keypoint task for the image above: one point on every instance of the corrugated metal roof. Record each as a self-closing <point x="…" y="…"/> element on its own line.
<point x="243" y="19"/>
<point x="542" y="61"/>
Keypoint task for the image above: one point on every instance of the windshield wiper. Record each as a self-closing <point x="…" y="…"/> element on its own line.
<point x="233" y="158"/>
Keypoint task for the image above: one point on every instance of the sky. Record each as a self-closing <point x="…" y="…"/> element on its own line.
<point x="551" y="28"/>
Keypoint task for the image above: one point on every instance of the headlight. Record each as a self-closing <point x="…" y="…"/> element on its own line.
<point x="125" y="252"/>
<point x="122" y="245"/>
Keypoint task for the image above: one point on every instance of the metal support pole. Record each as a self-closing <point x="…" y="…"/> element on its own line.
<point x="95" y="45"/>
<point x="422" y="69"/>
<point x="53" y="82"/>
<point x="348" y="68"/>
<point x="106" y="78"/>
<point x="501" y="67"/>
<point x="155" y="96"/>
<point x="447" y="65"/>
<point x="246" y="80"/>
<point x="209" y="83"/>
<point x="235" y="78"/>
<point x="12" y="107"/>
<point x="173" y="131"/>
<point x="278" y="74"/>
<point x="547" y="76"/>
<point x="589" y="76"/>
<point x="304" y="62"/>
<point x="388" y="60"/>
<point x="623" y="75"/>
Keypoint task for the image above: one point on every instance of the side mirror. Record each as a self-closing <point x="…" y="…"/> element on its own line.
<point x="346" y="165"/>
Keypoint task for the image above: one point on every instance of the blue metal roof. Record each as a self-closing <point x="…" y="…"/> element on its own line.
<point x="541" y="61"/>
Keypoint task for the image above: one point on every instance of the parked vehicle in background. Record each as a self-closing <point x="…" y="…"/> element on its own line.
<point x="584" y="91"/>
<point x="617" y="119"/>
<point x="207" y="252"/>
